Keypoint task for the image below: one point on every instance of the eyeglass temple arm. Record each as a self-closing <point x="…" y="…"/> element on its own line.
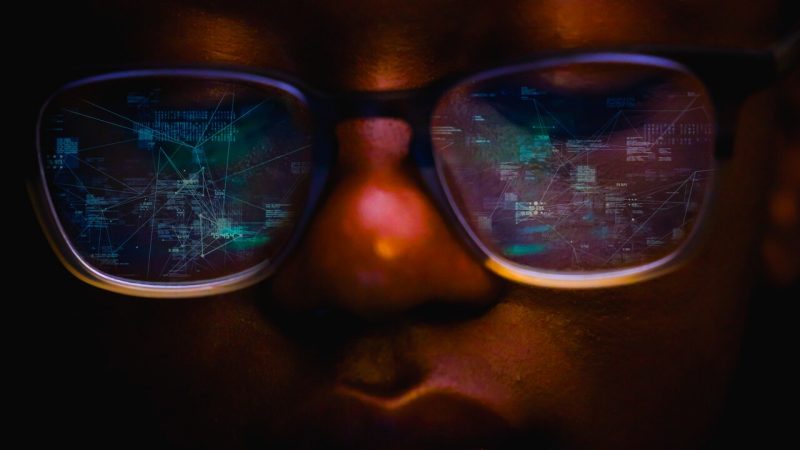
<point x="787" y="54"/>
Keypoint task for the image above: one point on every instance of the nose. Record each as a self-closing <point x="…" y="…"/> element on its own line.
<point x="377" y="245"/>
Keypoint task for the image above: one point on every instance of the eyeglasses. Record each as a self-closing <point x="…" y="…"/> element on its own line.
<point x="577" y="170"/>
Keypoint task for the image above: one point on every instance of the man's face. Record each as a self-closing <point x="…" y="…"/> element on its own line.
<point x="419" y="346"/>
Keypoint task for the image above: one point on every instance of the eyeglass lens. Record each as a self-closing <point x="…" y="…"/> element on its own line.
<point x="578" y="166"/>
<point x="176" y="179"/>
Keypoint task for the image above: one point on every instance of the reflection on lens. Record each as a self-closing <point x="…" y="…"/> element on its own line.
<point x="174" y="179"/>
<point x="580" y="166"/>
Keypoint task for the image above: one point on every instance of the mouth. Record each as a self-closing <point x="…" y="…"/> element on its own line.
<point x="420" y="419"/>
<point x="383" y="390"/>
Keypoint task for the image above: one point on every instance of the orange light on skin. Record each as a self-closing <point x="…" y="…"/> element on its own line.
<point x="377" y="210"/>
<point x="385" y="248"/>
<point x="203" y="35"/>
<point x="377" y="144"/>
<point x="392" y="59"/>
<point x="393" y="234"/>
<point x="608" y="23"/>
<point x="574" y="18"/>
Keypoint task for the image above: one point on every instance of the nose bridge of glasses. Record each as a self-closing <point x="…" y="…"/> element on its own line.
<point x="408" y="105"/>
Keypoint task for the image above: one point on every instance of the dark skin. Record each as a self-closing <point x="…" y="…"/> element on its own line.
<point x="421" y="346"/>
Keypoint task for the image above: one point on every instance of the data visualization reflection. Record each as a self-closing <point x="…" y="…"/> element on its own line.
<point x="173" y="179"/>
<point x="578" y="167"/>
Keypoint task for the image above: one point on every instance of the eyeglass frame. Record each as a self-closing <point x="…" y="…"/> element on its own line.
<point x="755" y="70"/>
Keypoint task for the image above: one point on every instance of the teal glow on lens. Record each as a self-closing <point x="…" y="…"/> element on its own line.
<point x="176" y="179"/>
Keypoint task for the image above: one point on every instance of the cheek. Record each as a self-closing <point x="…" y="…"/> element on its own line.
<point x="515" y="359"/>
<point x="204" y="369"/>
<point x="618" y="365"/>
<point x="611" y="368"/>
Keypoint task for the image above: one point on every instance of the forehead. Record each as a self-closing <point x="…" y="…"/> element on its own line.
<point x="369" y="44"/>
